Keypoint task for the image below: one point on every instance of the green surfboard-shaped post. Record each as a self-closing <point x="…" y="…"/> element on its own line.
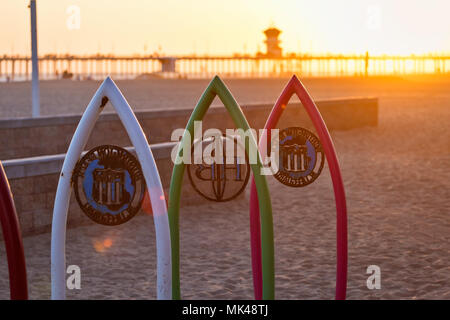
<point x="217" y="87"/>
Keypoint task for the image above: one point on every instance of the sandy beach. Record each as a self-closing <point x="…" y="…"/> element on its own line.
<point x="397" y="183"/>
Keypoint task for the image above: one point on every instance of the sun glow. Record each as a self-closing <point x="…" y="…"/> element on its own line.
<point x="226" y="27"/>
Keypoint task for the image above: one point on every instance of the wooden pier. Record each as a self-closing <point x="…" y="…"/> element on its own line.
<point x="16" y="68"/>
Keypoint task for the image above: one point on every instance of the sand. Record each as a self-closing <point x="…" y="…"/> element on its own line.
<point x="397" y="184"/>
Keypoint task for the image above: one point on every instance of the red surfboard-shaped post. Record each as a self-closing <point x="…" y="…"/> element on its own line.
<point x="13" y="241"/>
<point x="295" y="86"/>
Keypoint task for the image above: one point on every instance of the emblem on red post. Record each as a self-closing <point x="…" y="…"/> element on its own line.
<point x="301" y="157"/>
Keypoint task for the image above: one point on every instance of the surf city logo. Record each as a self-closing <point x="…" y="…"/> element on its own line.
<point x="301" y="157"/>
<point x="221" y="177"/>
<point x="109" y="185"/>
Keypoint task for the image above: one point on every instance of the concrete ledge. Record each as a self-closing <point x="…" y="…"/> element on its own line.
<point x="31" y="137"/>
<point x="34" y="180"/>
<point x="45" y="121"/>
<point x="44" y="165"/>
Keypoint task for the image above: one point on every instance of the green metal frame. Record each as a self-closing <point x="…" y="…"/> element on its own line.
<point x="217" y="87"/>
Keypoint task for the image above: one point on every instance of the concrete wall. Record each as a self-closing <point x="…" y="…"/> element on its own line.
<point x="28" y="137"/>
<point x="33" y="176"/>
<point x="33" y="182"/>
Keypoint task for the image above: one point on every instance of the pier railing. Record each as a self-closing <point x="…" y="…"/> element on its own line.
<point x="16" y="68"/>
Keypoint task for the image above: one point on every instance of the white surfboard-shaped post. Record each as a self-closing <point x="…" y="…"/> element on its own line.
<point x="108" y="91"/>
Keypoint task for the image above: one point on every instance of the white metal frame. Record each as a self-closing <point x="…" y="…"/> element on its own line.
<point x="58" y="243"/>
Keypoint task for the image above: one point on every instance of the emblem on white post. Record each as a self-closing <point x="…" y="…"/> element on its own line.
<point x="107" y="199"/>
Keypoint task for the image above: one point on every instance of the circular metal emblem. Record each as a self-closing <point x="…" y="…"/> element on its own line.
<point x="222" y="181"/>
<point x="109" y="185"/>
<point x="301" y="157"/>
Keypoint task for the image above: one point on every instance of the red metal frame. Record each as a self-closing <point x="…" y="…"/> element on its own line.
<point x="295" y="86"/>
<point x="13" y="241"/>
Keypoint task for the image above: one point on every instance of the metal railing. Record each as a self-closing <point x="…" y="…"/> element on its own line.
<point x="17" y="68"/>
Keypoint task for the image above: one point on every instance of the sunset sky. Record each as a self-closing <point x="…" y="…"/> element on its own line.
<point x="225" y="27"/>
